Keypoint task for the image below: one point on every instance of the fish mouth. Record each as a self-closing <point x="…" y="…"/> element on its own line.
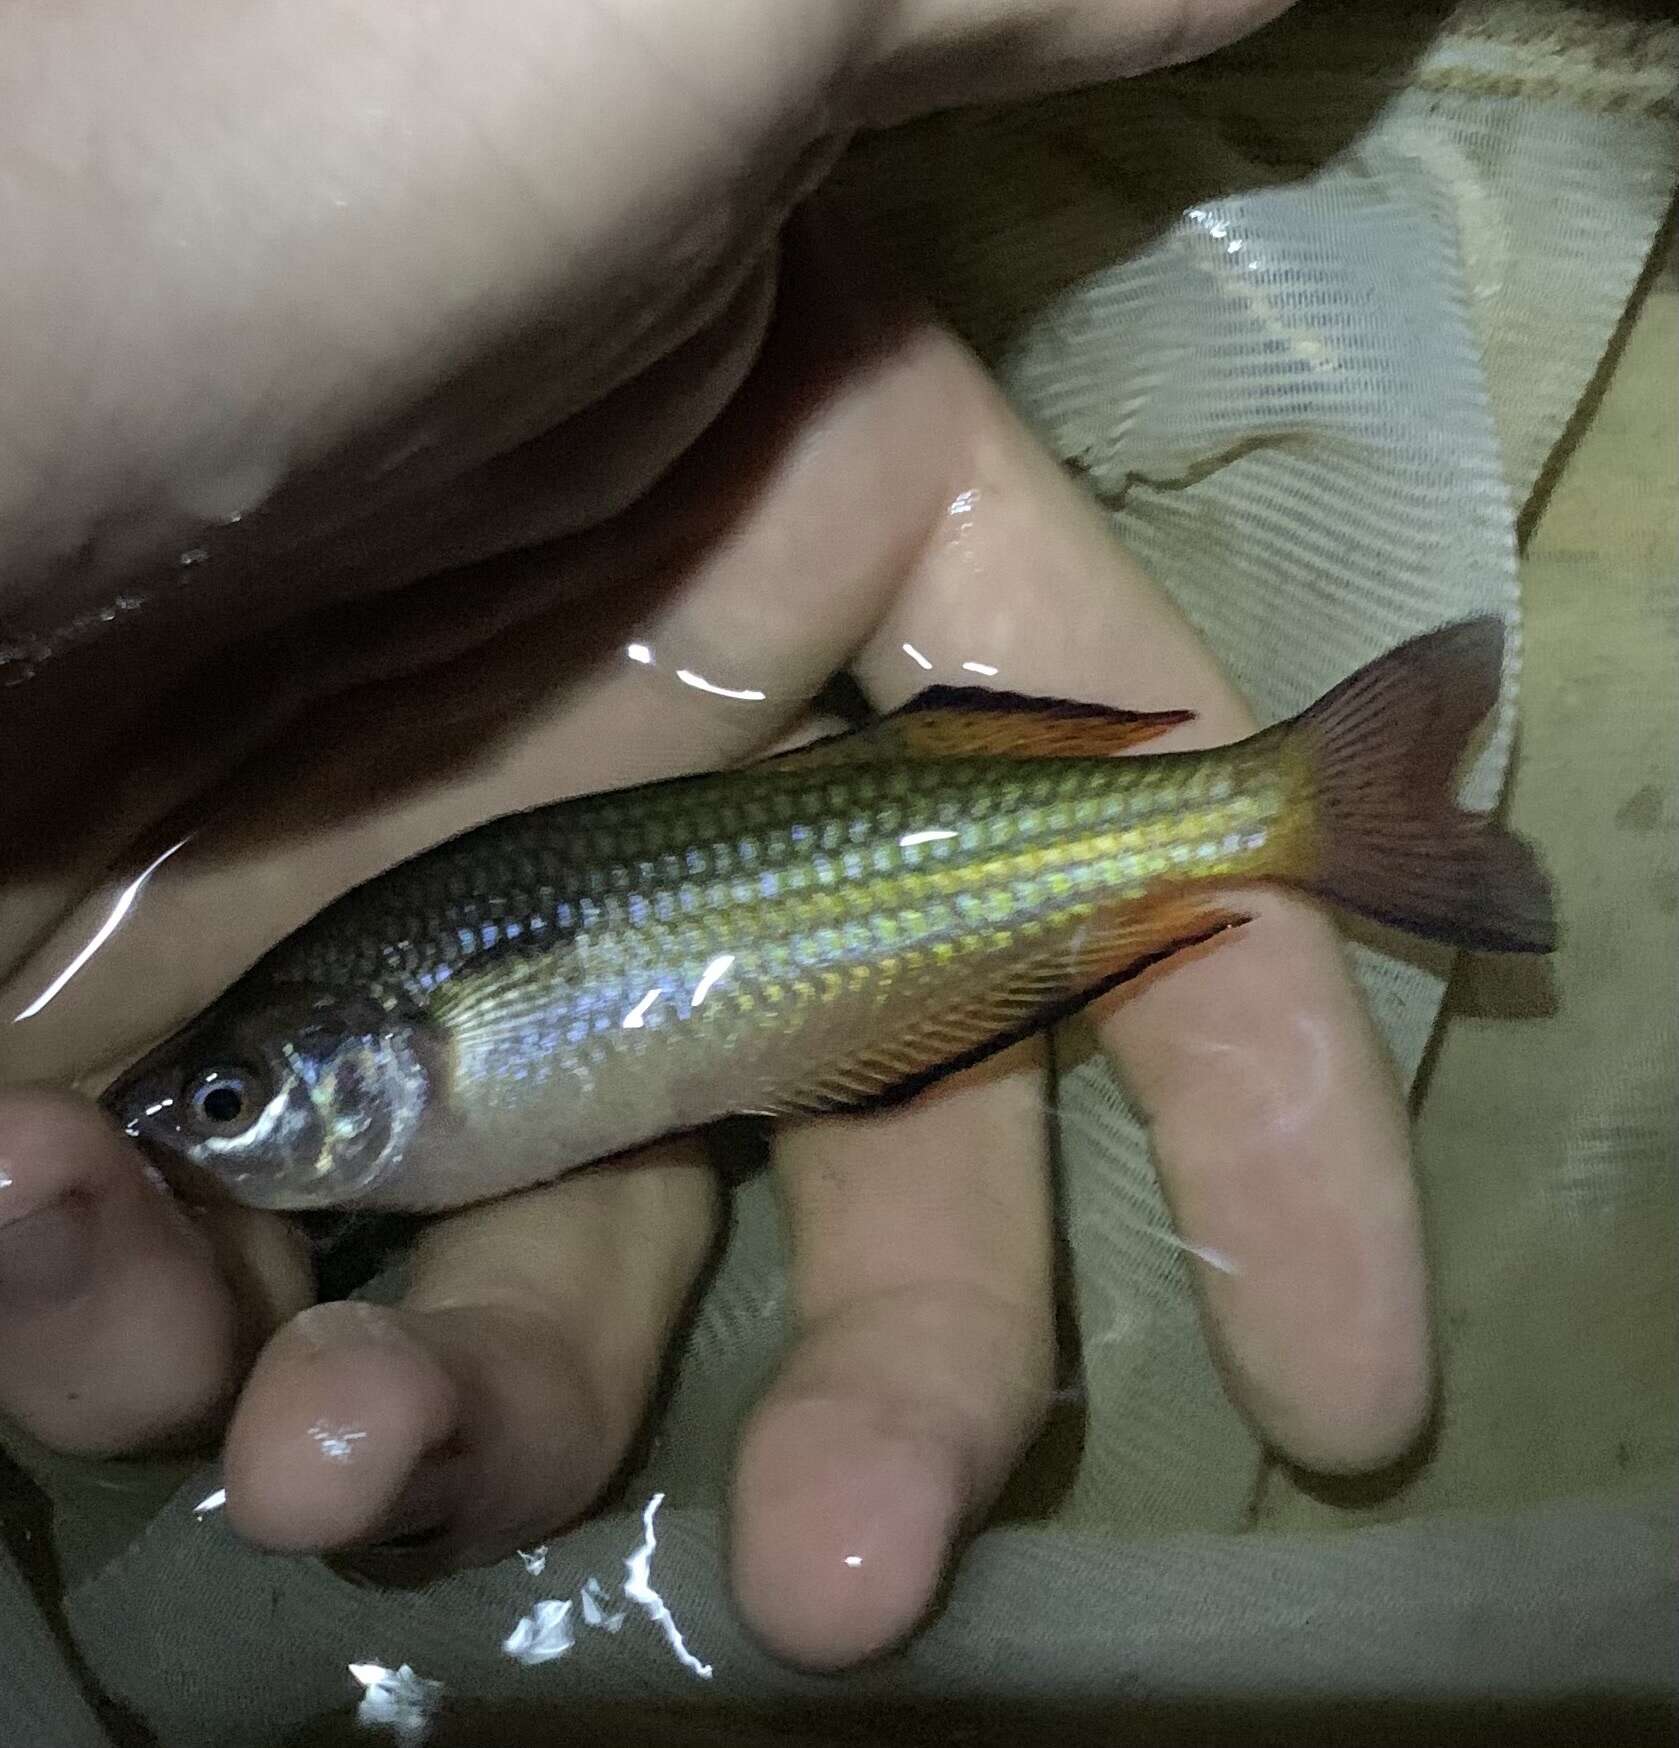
<point x="185" y="1179"/>
<point x="142" y="1113"/>
<point x="139" y="1098"/>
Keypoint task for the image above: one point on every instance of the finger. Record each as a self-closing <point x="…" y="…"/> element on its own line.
<point x="427" y="270"/>
<point x="1278" y="1129"/>
<point x="127" y="1321"/>
<point x="755" y="609"/>
<point x="927" y="54"/>
<point x="740" y="588"/>
<point x="494" y="1403"/>
<point x="922" y="1364"/>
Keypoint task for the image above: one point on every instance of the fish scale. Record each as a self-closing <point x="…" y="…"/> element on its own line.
<point x="1037" y="823"/>
<point x="824" y="930"/>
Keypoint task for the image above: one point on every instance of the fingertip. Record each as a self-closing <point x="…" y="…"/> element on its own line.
<point x="1347" y="1402"/>
<point x="1320" y="1322"/>
<point x="1284" y="1151"/>
<point x="493" y="1404"/>
<point x="121" y="1333"/>
<point x="842" y="1530"/>
<point x="1379" y="1429"/>
<point x="52" y="1142"/>
<point x="339" y="1419"/>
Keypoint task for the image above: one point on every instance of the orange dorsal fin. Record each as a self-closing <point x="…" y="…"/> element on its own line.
<point x="954" y="722"/>
<point x="1016" y="994"/>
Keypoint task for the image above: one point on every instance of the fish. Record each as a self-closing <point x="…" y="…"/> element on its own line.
<point x="827" y="929"/>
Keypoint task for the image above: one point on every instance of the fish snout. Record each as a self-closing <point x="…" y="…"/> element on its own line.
<point x="146" y="1106"/>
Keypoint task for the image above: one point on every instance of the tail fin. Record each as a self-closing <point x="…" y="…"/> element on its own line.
<point x="1381" y="751"/>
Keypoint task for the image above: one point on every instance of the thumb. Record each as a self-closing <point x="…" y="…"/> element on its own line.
<point x="932" y="54"/>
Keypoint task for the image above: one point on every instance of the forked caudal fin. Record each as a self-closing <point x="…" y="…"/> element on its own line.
<point x="1381" y="751"/>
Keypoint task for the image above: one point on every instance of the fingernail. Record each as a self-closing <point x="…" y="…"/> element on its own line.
<point x="46" y="1257"/>
<point x="334" y="1322"/>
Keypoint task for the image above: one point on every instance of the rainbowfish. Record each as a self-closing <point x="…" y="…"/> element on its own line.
<point x="824" y="930"/>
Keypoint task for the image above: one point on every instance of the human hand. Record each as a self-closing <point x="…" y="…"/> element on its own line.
<point x="305" y="303"/>
<point x="813" y="528"/>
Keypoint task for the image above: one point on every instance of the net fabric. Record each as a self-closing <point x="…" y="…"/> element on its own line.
<point x="1038" y="1620"/>
<point x="1308" y="318"/>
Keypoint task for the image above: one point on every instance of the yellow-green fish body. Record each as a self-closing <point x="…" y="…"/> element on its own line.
<point x="820" y="931"/>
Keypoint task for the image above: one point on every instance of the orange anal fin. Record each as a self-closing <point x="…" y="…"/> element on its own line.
<point x="952" y="722"/>
<point x="1029" y="995"/>
<point x="1144" y="938"/>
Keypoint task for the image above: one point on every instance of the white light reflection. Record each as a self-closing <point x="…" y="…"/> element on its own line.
<point x="397" y="1700"/>
<point x="636" y="1018"/>
<point x="854" y="1559"/>
<point x="639" y="652"/>
<point x="1074" y="1123"/>
<point x="638" y="1587"/>
<point x="595" y="1611"/>
<point x="210" y="1502"/>
<point x="708" y="977"/>
<point x="1217" y="1259"/>
<point x="123" y="905"/>
<point x="543" y="1635"/>
<point x="933" y="835"/>
<point x="917" y="657"/>
<point x="981" y="668"/>
<point x="746" y="694"/>
<point x="337" y="1442"/>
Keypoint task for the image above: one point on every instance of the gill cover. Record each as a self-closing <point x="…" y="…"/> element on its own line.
<point x="285" y="1097"/>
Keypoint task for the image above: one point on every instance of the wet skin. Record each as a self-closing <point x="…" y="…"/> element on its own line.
<point x="860" y="487"/>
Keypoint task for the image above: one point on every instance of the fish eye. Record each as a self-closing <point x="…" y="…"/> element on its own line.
<point x="224" y="1100"/>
